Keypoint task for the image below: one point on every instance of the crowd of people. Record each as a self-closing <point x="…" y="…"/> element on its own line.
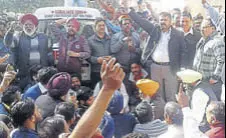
<point x="153" y="75"/>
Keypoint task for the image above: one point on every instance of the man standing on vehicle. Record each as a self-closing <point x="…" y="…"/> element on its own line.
<point x="28" y="47"/>
<point x="72" y="48"/>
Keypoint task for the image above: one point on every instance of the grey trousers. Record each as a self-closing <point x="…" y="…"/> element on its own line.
<point x="168" y="81"/>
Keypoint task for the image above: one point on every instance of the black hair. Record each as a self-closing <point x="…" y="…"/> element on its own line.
<point x="166" y="14"/>
<point x="10" y="94"/>
<point x="84" y="94"/>
<point x="187" y="14"/>
<point x="34" y="70"/>
<point x="65" y="109"/>
<point x="211" y="22"/>
<point x="136" y="135"/>
<point x="144" y="113"/>
<point x="76" y="76"/>
<point x="218" y="111"/>
<point x="52" y="127"/>
<point x="22" y="111"/>
<point x="98" y="20"/>
<point x="174" y="112"/>
<point x="88" y="31"/>
<point x="198" y="17"/>
<point x="45" y="74"/>
<point x="136" y="62"/>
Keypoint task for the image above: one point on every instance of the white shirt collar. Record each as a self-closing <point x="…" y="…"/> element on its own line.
<point x="190" y="32"/>
<point x="42" y="88"/>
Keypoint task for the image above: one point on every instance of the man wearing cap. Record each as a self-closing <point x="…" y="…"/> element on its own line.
<point x="192" y="37"/>
<point x="201" y="95"/>
<point x="149" y="92"/>
<point x="29" y="47"/>
<point x="72" y="48"/>
<point x="210" y="56"/>
<point x="126" y="45"/>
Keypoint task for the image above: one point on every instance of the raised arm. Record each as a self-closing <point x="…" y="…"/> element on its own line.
<point x="112" y="76"/>
<point x="55" y="28"/>
<point x="145" y="24"/>
<point x="217" y="19"/>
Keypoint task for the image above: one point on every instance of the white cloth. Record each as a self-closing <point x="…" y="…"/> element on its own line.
<point x="69" y="3"/>
<point x="122" y="90"/>
<point x="161" y="53"/>
<point x="191" y="125"/>
<point x="173" y="132"/>
<point x="42" y="88"/>
<point x="223" y="93"/>
<point x="190" y="32"/>
<point x="199" y="103"/>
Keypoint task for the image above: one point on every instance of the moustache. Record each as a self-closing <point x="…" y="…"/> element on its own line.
<point x="163" y="24"/>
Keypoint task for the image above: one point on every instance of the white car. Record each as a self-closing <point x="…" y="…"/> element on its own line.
<point x="86" y="16"/>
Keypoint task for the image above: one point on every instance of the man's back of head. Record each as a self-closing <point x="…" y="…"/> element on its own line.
<point x="144" y="112"/>
<point x="173" y="114"/>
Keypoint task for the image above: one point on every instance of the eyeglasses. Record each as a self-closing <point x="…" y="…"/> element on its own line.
<point x="126" y="24"/>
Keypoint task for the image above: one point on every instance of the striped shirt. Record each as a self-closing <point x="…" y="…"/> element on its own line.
<point x="210" y="57"/>
<point x="153" y="129"/>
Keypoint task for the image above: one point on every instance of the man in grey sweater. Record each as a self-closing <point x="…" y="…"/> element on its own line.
<point x="125" y="45"/>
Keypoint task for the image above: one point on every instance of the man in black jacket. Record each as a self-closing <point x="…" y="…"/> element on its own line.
<point x="28" y="47"/>
<point x="165" y="53"/>
<point x="192" y="37"/>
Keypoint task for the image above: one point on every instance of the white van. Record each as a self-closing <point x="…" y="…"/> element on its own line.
<point x="86" y="16"/>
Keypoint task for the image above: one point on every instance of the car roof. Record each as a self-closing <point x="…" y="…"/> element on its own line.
<point x="81" y="13"/>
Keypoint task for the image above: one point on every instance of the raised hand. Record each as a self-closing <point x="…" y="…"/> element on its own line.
<point x="8" y="77"/>
<point x="112" y="75"/>
<point x="3" y="59"/>
<point x="182" y="98"/>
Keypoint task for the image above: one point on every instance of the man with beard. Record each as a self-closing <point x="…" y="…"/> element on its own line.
<point x="76" y="85"/>
<point x="26" y="116"/>
<point x="137" y="73"/>
<point x="72" y="48"/>
<point x="165" y="53"/>
<point x="28" y="47"/>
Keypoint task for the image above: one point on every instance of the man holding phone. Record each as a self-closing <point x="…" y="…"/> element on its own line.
<point x="125" y="45"/>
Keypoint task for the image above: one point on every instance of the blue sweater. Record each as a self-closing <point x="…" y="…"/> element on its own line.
<point x="124" y="124"/>
<point x="24" y="133"/>
<point x="34" y="92"/>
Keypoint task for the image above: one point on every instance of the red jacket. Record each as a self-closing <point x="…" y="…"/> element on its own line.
<point x="216" y="131"/>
